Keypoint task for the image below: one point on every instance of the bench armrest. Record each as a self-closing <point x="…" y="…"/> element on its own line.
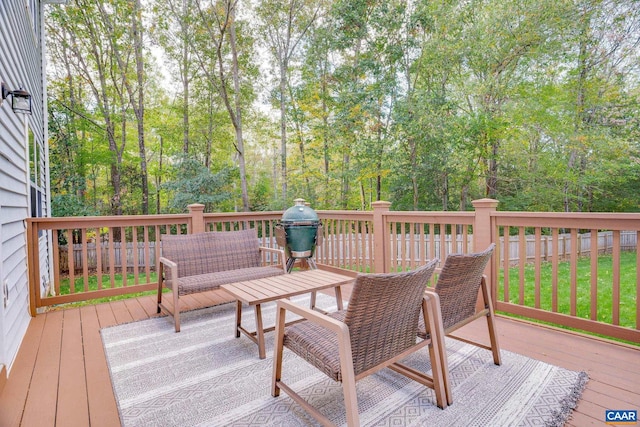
<point x="173" y="272"/>
<point x="278" y="252"/>
<point x="167" y="262"/>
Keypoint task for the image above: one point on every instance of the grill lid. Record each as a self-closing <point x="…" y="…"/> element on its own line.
<point x="300" y="214"/>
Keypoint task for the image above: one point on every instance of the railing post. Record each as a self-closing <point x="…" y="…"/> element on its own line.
<point x="33" y="267"/>
<point x="196" y="210"/>
<point x="483" y="236"/>
<point x="380" y="237"/>
<point x="482" y="231"/>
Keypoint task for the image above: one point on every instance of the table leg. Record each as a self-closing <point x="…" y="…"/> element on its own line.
<point x="260" y="332"/>
<point x="238" y="317"/>
<point x="338" y="297"/>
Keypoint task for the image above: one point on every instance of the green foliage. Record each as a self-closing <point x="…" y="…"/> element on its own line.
<point x="70" y="205"/>
<point x="194" y="183"/>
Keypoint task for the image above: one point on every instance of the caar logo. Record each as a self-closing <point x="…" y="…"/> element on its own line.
<point x="621" y="417"/>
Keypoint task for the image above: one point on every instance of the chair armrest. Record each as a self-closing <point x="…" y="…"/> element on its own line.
<point x="322" y="320"/>
<point x="316" y="317"/>
<point x="433" y="299"/>
<point x="278" y="252"/>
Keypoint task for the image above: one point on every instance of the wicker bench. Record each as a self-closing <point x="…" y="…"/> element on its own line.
<point x="200" y="262"/>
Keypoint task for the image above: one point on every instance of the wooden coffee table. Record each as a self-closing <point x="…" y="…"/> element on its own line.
<point x="259" y="291"/>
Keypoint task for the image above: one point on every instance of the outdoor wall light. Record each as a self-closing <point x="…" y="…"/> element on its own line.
<point x="20" y="99"/>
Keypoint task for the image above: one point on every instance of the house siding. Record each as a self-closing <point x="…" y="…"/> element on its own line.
<point x="21" y="65"/>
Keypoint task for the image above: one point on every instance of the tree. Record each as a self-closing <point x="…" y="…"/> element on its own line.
<point x="120" y="49"/>
<point x="285" y="24"/>
<point x="219" y="23"/>
<point x="606" y="36"/>
<point x="195" y="183"/>
<point x="82" y="37"/>
<point x="175" y="31"/>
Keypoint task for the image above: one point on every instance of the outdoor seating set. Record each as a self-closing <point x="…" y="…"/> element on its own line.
<point x="388" y="317"/>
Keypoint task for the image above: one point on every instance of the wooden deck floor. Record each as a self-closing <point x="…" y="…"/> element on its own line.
<point x="60" y="377"/>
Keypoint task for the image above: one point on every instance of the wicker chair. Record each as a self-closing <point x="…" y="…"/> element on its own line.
<point x="378" y="328"/>
<point x="455" y="297"/>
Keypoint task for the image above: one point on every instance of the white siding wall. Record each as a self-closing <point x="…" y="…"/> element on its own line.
<point x="20" y="65"/>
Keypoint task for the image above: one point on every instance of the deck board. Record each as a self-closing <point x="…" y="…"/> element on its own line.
<point x="102" y="404"/>
<point x="73" y="407"/>
<point x="121" y="312"/>
<point x="135" y="309"/>
<point x="62" y="350"/>
<point x="149" y="305"/>
<point x="573" y="351"/>
<point x="40" y="408"/>
<point x="15" y="393"/>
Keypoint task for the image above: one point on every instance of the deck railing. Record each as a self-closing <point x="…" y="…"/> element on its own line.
<point x="538" y="273"/>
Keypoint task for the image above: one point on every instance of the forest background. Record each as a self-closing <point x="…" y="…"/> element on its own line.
<point x="246" y="105"/>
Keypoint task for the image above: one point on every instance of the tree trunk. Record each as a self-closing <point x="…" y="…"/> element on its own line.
<point x="238" y="110"/>
<point x="159" y="178"/>
<point x="137" y="36"/>
<point x="283" y="125"/>
<point x="185" y="79"/>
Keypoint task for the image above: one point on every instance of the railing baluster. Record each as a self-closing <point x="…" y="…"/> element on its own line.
<point x="521" y="263"/>
<point x="537" y="257"/>
<point x="85" y="259"/>
<point x="134" y="248"/>
<point x="443" y="241"/>
<point x="506" y="262"/>
<point x="574" y="271"/>
<point x="594" y="275"/>
<point x="555" y="247"/>
<point x="99" y="270"/>
<point x="123" y="256"/>
<point x="71" y="261"/>
<point x="615" y="310"/>
<point x="56" y="261"/>
<point x="147" y="253"/>
<point x="403" y="246"/>
<point x="394" y="247"/>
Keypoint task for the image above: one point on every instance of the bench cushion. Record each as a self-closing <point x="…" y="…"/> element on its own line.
<point x="206" y="282"/>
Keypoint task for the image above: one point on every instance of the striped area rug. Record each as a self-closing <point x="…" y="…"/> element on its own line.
<point x="204" y="376"/>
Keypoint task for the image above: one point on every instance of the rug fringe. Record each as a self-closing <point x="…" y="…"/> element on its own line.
<point x="560" y="417"/>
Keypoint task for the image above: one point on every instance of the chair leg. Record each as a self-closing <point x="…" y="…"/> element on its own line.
<point x="348" y="381"/>
<point x="437" y="351"/>
<point x="160" y="283"/>
<point x="278" y="352"/>
<point x="493" y="335"/>
<point x="176" y="310"/>
<point x="350" y="401"/>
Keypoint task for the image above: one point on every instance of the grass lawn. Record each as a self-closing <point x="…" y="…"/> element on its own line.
<point x="628" y="296"/>
<point x="93" y="286"/>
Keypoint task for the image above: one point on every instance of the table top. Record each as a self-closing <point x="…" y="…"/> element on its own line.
<point x="259" y="291"/>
